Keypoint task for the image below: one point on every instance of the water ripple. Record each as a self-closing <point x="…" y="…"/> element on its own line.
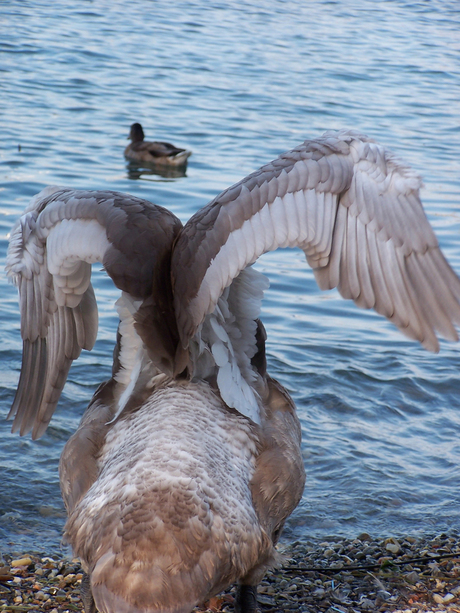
<point x="238" y="84"/>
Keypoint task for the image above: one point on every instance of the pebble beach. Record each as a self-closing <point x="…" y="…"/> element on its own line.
<point x="401" y="575"/>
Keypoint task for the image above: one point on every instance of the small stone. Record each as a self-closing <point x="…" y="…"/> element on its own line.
<point x="393" y="547"/>
<point x="266" y="600"/>
<point x="408" y="567"/>
<point x="365" y="537"/>
<point x="21" y="562"/>
<point x="367" y="604"/>
<point x="40" y="595"/>
<point x="438" y="598"/>
<point x="434" y="568"/>
<point x="412" y="577"/>
<point x="60" y="596"/>
<point x="440" y="585"/>
<point x="448" y="598"/>
<point x="319" y="592"/>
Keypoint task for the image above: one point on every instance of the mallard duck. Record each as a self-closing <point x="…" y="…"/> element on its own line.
<point x="187" y="462"/>
<point x="156" y="153"/>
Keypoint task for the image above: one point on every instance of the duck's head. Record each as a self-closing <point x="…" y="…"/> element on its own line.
<point x="136" y="134"/>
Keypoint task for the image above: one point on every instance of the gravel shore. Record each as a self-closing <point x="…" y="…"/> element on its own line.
<point x="403" y="575"/>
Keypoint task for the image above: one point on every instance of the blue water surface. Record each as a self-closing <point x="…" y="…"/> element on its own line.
<point x="238" y="83"/>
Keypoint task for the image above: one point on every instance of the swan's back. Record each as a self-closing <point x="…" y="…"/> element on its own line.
<point x="170" y="519"/>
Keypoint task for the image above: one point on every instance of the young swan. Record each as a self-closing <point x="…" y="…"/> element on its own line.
<point x="154" y="153"/>
<point x="187" y="462"/>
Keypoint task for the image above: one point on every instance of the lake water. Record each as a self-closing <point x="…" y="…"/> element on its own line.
<point x="238" y="83"/>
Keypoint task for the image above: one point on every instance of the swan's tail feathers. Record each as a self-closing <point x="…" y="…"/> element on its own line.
<point x="52" y="247"/>
<point x="353" y="208"/>
<point x="108" y="600"/>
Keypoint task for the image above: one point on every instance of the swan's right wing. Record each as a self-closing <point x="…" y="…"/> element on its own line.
<point x="52" y="247"/>
<point x="353" y="208"/>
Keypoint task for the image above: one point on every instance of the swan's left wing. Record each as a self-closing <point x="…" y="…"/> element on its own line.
<point x="355" y="211"/>
<point x="52" y="247"/>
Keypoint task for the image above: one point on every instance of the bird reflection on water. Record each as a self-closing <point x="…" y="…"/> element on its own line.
<point x="145" y="171"/>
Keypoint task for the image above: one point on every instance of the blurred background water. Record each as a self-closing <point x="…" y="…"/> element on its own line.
<point x="238" y="83"/>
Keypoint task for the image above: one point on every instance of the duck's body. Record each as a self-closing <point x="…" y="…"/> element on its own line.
<point x="187" y="462"/>
<point x="155" y="152"/>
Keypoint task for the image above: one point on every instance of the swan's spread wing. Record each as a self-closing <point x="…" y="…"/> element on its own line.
<point x="52" y="247"/>
<point x="355" y="211"/>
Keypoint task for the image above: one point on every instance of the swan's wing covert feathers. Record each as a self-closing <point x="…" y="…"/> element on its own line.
<point x="52" y="247"/>
<point x="353" y="208"/>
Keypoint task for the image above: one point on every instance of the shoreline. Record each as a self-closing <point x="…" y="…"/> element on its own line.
<point x="361" y="575"/>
